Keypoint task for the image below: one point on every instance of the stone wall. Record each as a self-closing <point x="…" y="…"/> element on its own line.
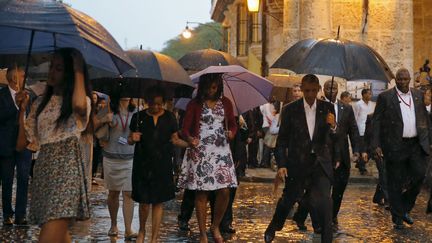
<point x="422" y="11"/>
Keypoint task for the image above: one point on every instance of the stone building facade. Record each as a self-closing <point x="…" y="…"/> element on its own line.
<point x="398" y="29"/>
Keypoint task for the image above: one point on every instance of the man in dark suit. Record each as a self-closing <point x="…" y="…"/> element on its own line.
<point x="9" y="157"/>
<point x="402" y="136"/>
<point x="346" y="127"/>
<point x="307" y="130"/>
<point x="254" y="121"/>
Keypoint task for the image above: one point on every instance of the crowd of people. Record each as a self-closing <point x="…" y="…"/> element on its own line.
<point x="70" y="131"/>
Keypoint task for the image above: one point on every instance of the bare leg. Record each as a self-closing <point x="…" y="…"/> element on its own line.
<point x="128" y="209"/>
<point x="113" y="205"/>
<point x="221" y="203"/>
<point x="201" y="212"/>
<point x="55" y="231"/>
<point x="143" y="215"/>
<point x="157" y="211"/>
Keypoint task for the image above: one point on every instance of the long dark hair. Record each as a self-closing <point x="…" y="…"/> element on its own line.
<point x="67" y="87"/>
<point x="206" y="81"/>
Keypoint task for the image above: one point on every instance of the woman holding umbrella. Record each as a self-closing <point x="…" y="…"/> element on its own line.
<point x="54" y="127"/>
<point x="208" y="126"/>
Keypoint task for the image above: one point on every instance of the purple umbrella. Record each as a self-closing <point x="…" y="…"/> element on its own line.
<point x="245" y="89"/>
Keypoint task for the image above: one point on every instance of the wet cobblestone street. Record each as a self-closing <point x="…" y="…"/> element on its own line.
<point x="360" y="220"/>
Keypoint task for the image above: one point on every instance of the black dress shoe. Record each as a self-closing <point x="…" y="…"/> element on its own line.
<point x="183" y="225"/>
<point x="407" y="219"/>
<point x="8" y="221"/>
<point x="398" y="224"/>
<point x="21" y="222"/>
<point x="269" y="235"/>
<point x="300" y="225"/>
<point x="228" y="230"/>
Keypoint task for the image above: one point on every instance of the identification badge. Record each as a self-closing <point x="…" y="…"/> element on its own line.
<point x="122" y="140"/>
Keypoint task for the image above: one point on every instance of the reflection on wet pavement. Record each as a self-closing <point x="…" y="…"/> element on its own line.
<point x="360" y="221"/>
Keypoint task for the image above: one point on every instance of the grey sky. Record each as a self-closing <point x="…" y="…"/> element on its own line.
<point x="146" y="22"/>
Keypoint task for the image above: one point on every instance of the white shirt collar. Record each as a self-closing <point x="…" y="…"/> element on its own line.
<point x="306" y="105"/>
<point x="401" y="93"/>
<point x="335" y="103"/>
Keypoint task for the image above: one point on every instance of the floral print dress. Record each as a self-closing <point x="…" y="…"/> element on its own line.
<point x="209" y="166"/>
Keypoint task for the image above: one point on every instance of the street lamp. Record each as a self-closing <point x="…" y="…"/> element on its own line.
<point x="187" y="33"/>
<point x="253" y="5"/>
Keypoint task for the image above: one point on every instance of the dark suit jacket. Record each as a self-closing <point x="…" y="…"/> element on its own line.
<point x="388" y="124"/>
<point x="8" y="123"/>
<point x="347" y="126"/>
<point x="294" y="136"/>
<point x="254" y="121"/>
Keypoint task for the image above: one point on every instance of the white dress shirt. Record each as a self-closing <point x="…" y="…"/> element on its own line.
<point x="361" y="110"/>
<point x="13" y="94"/>
<point x="406" y="104"/>
<point x="267" y="110"/>
<point x="310" y="112"/>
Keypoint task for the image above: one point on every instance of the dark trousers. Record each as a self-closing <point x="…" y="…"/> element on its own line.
<point x="228" y="216"/>
<point x="341" y="177"/>
<point x="266" y="156"/>
<point x="361" y="164"/>
<point x="22" y="162"/>
<point x="187" y="206"/>
<point x="381" y="192"/>
<point x="97" y="158"/>
<point x="303" y="209"/>
<point x="405" y="170"/>
<point x="253" y="152"/>
<point x="318" y="184"/>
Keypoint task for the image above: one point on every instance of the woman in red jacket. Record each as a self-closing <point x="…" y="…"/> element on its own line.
<point x="208" y="126"/>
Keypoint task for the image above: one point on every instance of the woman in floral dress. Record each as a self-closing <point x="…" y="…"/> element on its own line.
<point x="208" y="126"/>
<point x="54" y="127"/>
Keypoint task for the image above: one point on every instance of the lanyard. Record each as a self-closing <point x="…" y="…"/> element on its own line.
<point x="407" y="104"/>
<point x="124" y="124"/>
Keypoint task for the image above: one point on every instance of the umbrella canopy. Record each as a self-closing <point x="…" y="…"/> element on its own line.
<point x="198" y="60"/>
<point x="282" y="85"/>
<point x="152" y="68"/>
<point x="45" y="25"/>
<point x="245" y="89"/>
<point x="335" y="57"/>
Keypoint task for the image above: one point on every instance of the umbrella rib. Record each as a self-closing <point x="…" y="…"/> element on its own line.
<point x="253" y="86"/>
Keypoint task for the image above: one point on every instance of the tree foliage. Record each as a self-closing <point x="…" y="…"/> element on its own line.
<point x="208" y="35"/>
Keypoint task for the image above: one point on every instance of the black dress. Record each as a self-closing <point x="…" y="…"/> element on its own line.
<point x="152" y="172"/>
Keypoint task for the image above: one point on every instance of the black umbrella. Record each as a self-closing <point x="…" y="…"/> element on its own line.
<point x="41" y="26"/>
<point x="196" y="61"/>
<point x="335" y="57"/>
<point x="152" y="68"/>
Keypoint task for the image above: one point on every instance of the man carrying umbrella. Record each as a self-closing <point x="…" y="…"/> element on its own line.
<point x="402" y="135"/>
<point x="307" y="130"/>
<point x="9" y="156"/>
<point x="347" y="127"/>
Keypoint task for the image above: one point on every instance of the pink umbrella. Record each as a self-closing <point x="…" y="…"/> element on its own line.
<point x="244" y="88"/>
